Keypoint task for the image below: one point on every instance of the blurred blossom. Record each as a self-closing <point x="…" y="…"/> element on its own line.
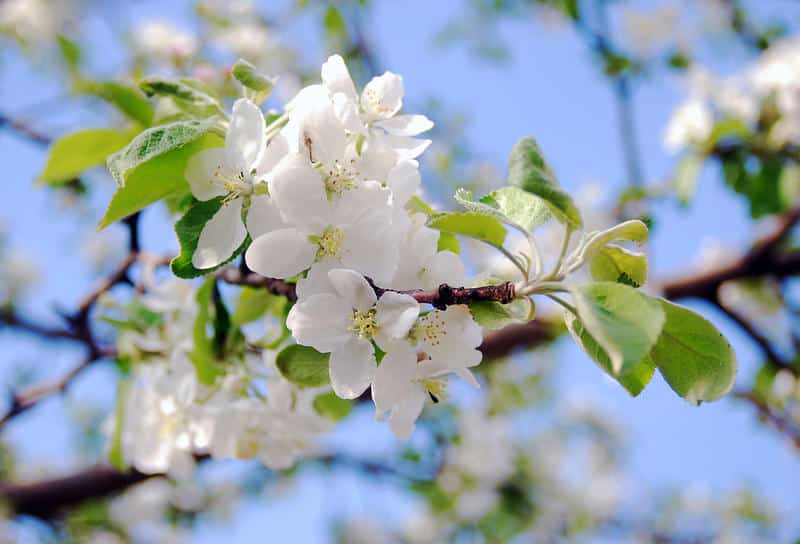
<point x="34" y="22"/>
<point x="101" y="250"/>
<point x="163" y="42"/>
<point x="19" y="272"/>
<point x="651" y="29"/>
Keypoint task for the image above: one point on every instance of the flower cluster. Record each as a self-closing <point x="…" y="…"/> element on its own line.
<point x="168" y="415"/>
<point x="323" y="199"/>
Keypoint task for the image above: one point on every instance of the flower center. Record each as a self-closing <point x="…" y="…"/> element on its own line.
<point x="330" y="243"/>
<point x="435" y="388"/>
<point x="364" y="324"/>
<point x="430" y="329"/>
<point x="239" y="185"/>
<point x="375" y="102"/>
<point x="340" y="178"/>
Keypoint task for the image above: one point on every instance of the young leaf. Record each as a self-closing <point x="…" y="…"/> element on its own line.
<point x="152" y="166"/>
<point x="203" y="356"/>
<point x="634" y="377"/>
<point x="70" y="52"/>
<point x="614" y="263"/>
<point x="448" y="242"/>
<point x="510" y="205"/>
<point x="254" y="303"/>
<point x="127" y="99"/>
<point x="628" y="231"/>
<point x="695" y="359"/>
<point x="493" y="315"/>
<point x="686" y="176"/>
<point x="188" y="229"/>
<point x="115" y="456"/>
<point x="303" y="366"/>
<point x="71" y="155"/>
<point x="623" y="321"/>
<point x="528" y="170"/>
<point x="331" y="406"/>
<point x="188" y="95"/>
<point x="259" y="85"/>
<point x="472" y="224"/>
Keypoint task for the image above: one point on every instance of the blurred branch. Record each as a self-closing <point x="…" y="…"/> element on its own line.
<point x="24" y="130"/>
<point x="781" y="422"/>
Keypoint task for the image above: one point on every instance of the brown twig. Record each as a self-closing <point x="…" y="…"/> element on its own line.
<point x="781" y="422"/>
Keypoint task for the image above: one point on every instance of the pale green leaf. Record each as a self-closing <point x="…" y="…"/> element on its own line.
<point x="115" y="454"/>
<point x="634" y="377"/>
<point x="127" y="99"/>
<point x="472" y="224"/>
<point x="510" y="205"/>
<point x="152" y="166"/>
<point x="303" y="366"/>
<point x="256" y="84"/>
<point x="687" y="175"/>
<point x="331" y="406"/>
<point x="623" y="321"/>
<point x="448" y="242"/>
<point x="628" y="231"/>
<point x="71" y="155"/>
<point x="493" y="315"/>
<point x="203" y="354"/>
<point x="189" y="95"/>
<point x="614" y="263"/>
<point x="528" y="170"/>
<point x="693" y="356"/>
<point x="254" y="303"/>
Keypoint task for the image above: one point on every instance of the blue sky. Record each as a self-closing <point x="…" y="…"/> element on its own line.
<point x="550" y="89"/>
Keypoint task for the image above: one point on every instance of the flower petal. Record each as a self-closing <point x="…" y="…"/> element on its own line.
<point x="281" y="253"/>
<point x="246" y="138"/>
<point x="394" y="379"/>
<point x="263" y="216"/>
<point x="299" y="192"/>
<point x="276" y="150"/>
<point x="336" y="78"/>
<point x="404" y="180"/>
<point x="221" y="236"/>
<point x="321" y="321"/>
<point x="203" y="170"/>
<point x="403" y="419"/>
<point x="383" y="95"/>
<point x="396" y="314"/>
<point x="444" y="267"/>
<point x="406" y="125"/>
<point x="352" y="368"/>
<point x="352" y="287"/>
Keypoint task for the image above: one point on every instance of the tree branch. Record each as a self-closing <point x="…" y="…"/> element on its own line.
<point x="781" y="422"/>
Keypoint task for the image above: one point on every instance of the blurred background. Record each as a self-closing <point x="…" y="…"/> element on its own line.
<point x="653" y="109"/>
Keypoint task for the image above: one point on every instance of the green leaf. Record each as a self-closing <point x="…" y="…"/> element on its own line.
<point x="71" y="155"/>
<point x="724" y="129"/>
<point x="614" y="263"/>
<point x="623" y="321"/>
<point x="303" y="366"/>
<point x="628" y="231"/>
<point x="528" y="170"/>
<point x="70" y="52"/>
<point x="152" y="166"/>
<point x="634" y="377"/>
<point x="259" y="85"/>
<point x="687" y="175"/>
<point x="493" y="315"/>
<point x="472" y="224"/>
<point x="511" y="205"/>
<point x="254" y="303"/>
<point x="695" y="359"/>
<point x="335" y="25"/>
<point x="126" y="98"/>
<point x="330" y="406"/>
<point x="448" y="242"/>
<point x="188" y="229"/>
<point x="189" y="96"/>
<point x="417" y="205"/>
<point x="115" y="455"/>
<point x="203" y="356"/>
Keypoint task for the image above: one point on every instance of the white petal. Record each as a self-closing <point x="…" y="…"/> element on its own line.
<point x="383" y="95"/>
<point x="276" y="150"/>
<point x="203" y="172"/>
<point x="404" y="180"/>
<point x="347" y="112"/>
<point x="281" y="253"/>
<point x="221" y="236"/>
<point x="406" y="125"/>
<point x="394" y="379"/>
<point x="321" y="321"/>
<point x="246" y="138"/>
<point x="263" y="216"/>
<point x="323" y="134"/>
<point x="299" y="192"/>
<point x="316" y="281"/>
<point x="405" y="147"/>
<point x="337" y="78"/>
<point x="352" y="368"/>
<point x="395" y="314"/>
<point x="465" y="374"/>
<point x="352" y="287"/>
<point x="403" y="420"/>
<point x="444" y="267"/>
